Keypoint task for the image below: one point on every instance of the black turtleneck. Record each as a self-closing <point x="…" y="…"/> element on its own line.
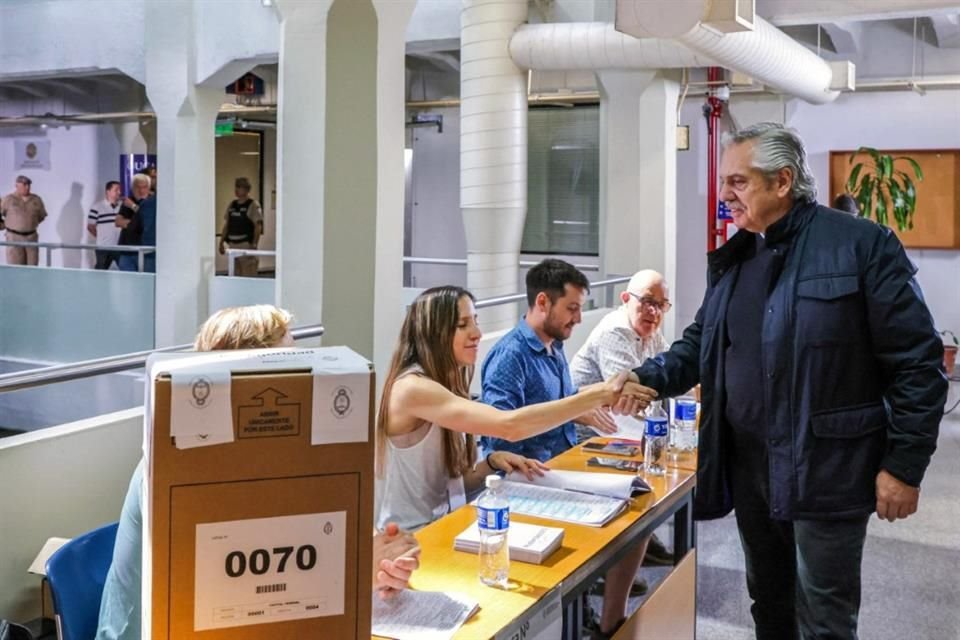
<point x="743" y="369"/>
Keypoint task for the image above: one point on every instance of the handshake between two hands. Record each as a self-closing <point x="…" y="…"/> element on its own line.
<point x="621" y="395"/>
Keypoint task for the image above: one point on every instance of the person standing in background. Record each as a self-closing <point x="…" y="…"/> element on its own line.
<point x="21" y="212"/>
<point x="130" y="222"/>
<point x="242" y="227"/>
<point x="101" y="223"/>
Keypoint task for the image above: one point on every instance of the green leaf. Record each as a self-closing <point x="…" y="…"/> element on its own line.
<point x="852" y="180"/>
<point x="881" y="205"/>
<point x="873" y="153"/>
<point x="901" y="213"/>
<point x="865" y="199"/>
<point x="916" y="166"/>
<point x="909" y="192"/>
<point x="886" y="168"/>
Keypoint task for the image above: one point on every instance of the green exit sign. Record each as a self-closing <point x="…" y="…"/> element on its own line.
<point x="223" y="129"/>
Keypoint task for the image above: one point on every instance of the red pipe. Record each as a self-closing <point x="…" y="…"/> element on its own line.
<point x="713" y="110"/>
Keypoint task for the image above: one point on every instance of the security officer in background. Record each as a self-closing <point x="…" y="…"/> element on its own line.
<point x="21" y="212"/>
<point x="242" y="226"/>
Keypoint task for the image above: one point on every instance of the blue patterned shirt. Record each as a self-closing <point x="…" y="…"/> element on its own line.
<point x="519" y="371"/>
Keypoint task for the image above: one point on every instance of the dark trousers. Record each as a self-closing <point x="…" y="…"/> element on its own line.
<point x="127" y="262"/>
<point x="107" y="258"/>
<point x="803" y="576"/>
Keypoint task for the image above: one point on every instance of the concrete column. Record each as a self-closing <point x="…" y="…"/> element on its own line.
<point x="350" y="176"/>
<point x="638" y="174"/>
<point x="130" y="137"/>
<point x="185" y="182"/>
<point x="300" y="157"/>
<point x="327" y="236"/>
<point x="392" y="19"/>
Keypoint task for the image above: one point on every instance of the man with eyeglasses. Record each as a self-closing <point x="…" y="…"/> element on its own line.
<point x="626" y="336"/>
<point x="624" y="339"/>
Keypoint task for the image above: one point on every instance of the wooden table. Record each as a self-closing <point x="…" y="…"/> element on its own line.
<point x="586" y="554"/>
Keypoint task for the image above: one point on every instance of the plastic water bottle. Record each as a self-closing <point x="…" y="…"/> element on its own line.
<point x="655" y="436"/>
<point x="493" y="520"/>
<point x="685" y="424"/>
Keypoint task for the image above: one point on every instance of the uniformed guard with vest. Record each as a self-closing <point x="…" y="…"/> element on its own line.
<point x="21" y="212"/>
<point x="242" y="226"/>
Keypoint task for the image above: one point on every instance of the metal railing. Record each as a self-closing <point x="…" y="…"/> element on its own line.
<point x="463" y="261"/>
<point x="50" y="247"/>
<point x="521" y="297"/>
<point x="233" y="254"/>
<point x="111" y="364"/>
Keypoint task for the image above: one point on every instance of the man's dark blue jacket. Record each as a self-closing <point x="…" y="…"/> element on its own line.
<point x="852" y="367"/>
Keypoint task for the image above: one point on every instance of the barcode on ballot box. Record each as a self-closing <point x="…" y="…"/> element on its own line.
<point x="271" y="588"/>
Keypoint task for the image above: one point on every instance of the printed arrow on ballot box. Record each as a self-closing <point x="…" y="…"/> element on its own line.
<point x="270" y="414"/>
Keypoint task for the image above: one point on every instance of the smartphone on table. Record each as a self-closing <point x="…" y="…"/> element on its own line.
<point x="612" y="449"/>
<point x="616" y="463"/>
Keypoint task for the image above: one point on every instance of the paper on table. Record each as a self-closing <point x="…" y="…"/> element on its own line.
<point x="528" y="542"/>
<point x="614" y="485"/>
<point x="558" y="504"/>
<point x="421" y="615"/>
<point x="51" y="546"/>
<point x="628" y="427"/>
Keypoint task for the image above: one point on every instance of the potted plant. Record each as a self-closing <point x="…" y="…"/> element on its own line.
<point x="881" y="188"/>
<point x="950" y="350"/>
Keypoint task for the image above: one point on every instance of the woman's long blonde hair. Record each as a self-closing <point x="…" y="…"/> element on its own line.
<point x="255" y="327"/>
<point x="426" y="340"/>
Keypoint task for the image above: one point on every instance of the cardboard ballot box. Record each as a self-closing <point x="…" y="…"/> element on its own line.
<point x="266" y="532"/>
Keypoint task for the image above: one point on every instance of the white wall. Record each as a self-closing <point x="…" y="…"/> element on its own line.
<point x="40" y="36"/>
<point x="218" y="47"/>
<point x="890" y="120"/>
<point x="82" y="159"/>
<point x="59" y="482"/>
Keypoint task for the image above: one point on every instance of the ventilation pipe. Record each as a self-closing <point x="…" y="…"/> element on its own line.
<point x="567" y="46"/>
<point x="763" y="52"/>
<point x="493" y="151"/>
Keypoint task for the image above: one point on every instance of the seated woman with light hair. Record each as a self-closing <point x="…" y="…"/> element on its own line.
<point x="254" y="327"/>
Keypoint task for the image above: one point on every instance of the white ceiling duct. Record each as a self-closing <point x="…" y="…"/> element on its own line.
<point x="565" y="46"/>
<point x="764" y="53"/>
<point x="493" y="150"/>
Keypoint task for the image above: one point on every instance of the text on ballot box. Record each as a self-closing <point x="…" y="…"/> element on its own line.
<point x="264" y="535"/>
<point x="269" y="569"/>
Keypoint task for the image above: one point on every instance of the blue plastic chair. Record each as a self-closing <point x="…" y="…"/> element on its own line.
<point x="76" y="573"/>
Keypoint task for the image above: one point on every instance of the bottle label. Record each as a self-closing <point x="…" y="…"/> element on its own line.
<point x="686" y="410"/>
<point x="493" y="519"/>
<point x="656" y="426"/>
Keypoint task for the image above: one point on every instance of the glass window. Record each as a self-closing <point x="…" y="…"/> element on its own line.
<point x="563" y="167"/>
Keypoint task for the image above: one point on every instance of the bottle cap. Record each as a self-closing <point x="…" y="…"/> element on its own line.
<point x="493" y="481"/>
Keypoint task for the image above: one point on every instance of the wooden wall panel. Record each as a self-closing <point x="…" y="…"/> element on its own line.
<point x="936" y="221"/>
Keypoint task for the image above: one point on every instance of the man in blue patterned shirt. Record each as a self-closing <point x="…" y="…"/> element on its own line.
<point x="528" y="365"/>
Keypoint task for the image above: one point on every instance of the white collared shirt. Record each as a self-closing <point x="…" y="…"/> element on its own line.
<point x="613" y="346"/>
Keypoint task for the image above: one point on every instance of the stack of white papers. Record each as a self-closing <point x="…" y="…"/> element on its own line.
<point x="528" y="542"/>
<point x="579" y="497"/>
<point x="558" y="504"/>
<point x="421" y="615"/>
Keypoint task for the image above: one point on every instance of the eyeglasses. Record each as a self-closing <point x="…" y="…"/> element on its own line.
<point x="652" y="303"/>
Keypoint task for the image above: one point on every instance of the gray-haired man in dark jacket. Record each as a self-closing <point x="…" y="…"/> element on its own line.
<point x="822" y="386"/>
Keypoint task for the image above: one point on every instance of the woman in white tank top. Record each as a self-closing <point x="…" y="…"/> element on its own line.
<point x="427" y="454"/>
